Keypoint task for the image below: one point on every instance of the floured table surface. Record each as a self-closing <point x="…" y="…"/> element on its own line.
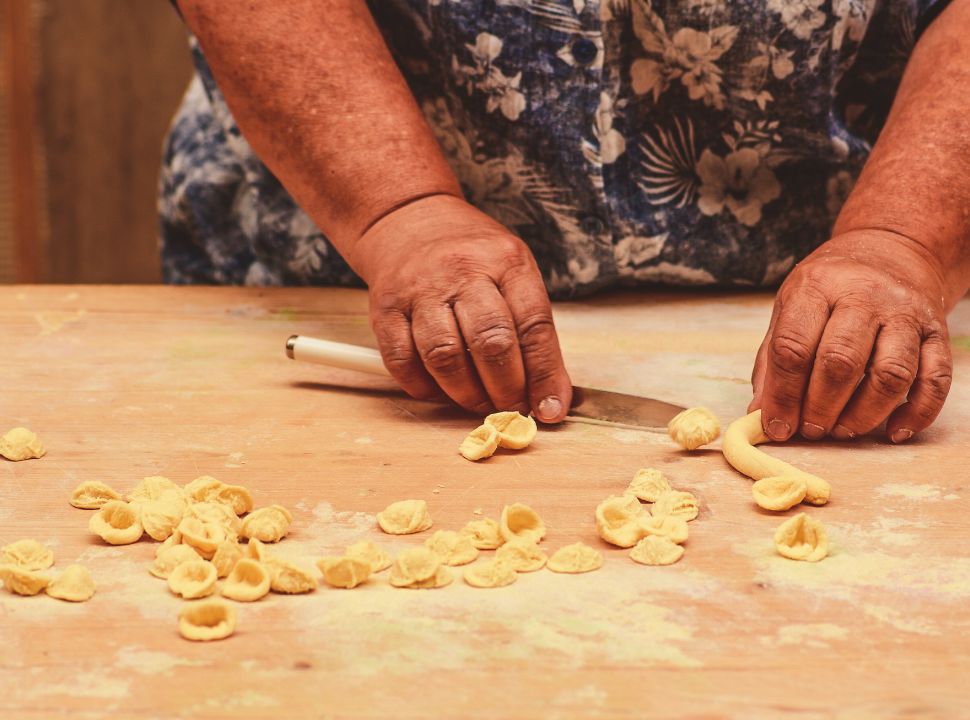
<point x="122" y="383"/>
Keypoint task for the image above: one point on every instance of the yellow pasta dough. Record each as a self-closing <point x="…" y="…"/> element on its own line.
<point x="92" y="494"/>
<point x="452" y="547"/>
<point x="676" y="503"/>
<point x="268" y="524"/>
<point x="27" y="555"/>
<point x="485" y="533"/>
<point x="74" y="585"/>
<point x="779" y="493"/>
<point x="515" y="431"/>
<point x="159" y="518"/>
<point x="618" y="520"/>
<point x="227" y="554"/>
<point x="21" y="444"/>
<point x="404" y="517"/>
<point x="344" y="572"/>
<point x="656" y="550"/>
<point x="371" y="553"/>
<point x="248" y="581"/>
<point x="216" y="513"/>
<point x="289" y="579"/>
<point x="205" y="537"/>
<point x="802" y="538"/>
<point x="116" y="522"/>
<point x="520" y="522"/>
<point x="490" y="574"/>
<point x="419" y="568"/>
<point x="208" y="620"/>
<point x="670" y="526"/>
<point x="575" y="558"/>
<point x="208" y="489"/>
<point x="694" y="427"/>
<point x="480" y="443"/>
<point x="649" y="485"/>
<point x="153" y="487"/>
<point x="522" y="556"/>
<point x="192" y="579"/>
<point x="256" y="550"/>
<point x="169" y="557"/>
<point x="21" y="581"/>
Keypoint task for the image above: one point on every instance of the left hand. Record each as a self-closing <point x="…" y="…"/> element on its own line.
<point x="857" y="337"/>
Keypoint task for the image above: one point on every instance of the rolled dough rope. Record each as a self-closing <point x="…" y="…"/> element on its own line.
<point x="738" y="448"/>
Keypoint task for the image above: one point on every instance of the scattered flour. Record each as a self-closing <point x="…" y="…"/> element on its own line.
<point x="890" y="616"/>
<point x="815" y="635"/>
<point x="150" y="662"/>
<point x="910" y="492"/>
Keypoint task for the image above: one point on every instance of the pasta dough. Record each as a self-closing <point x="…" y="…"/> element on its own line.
<point x="802" y="538"/>
<point x="619" y="520"/>
<point x="371" y="553"/>
<point x="480" y="443"/>
<point x="515" y="431"/>
<point x="419" y="568"/>
<point x="20" y="581"/>
<point x="575" y="558"/>
<point x="21" y="444"/>
<point x="490" y="574"/>
<point x="522" y="556"/>
<point x="248" y="581"/>
<point x="694" y="427"/>
<point x="227" y="554"/>
<point x="657" y="550"/>
<point x="205" y="537"/>
<point x="159" y="518"/>
<point x="404" y="517"/>
<point x="344" y="572"/>
<point x="289" y="579"/>
<point x="670" y="526"/>
<point x="116" y="522"/>
<point x="27" y="555"/>
<point x="452" y="547"/>
<point x="192" y="579"/>
<point x="779" y="493"/>
<point x="209" y="620"/>
<point x="484" y="533"/>
<point x="677" y="504"/>
<point x="649" y="485"/>
<point x="738" y="448"/>
<point x="268" y="524"/>
<point x="169" y="557"/>
<point x="520" y="522"/>
<point x="74" y="585"/>
<point x="154" y="487"/>
<point x="92" y="494"/>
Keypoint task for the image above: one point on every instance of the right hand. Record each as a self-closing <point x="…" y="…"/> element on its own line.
<point x="459" y="308"/>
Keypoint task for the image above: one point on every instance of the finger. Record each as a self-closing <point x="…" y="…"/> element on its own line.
<point x="758" y="370"/>
<point x="788" y="362"/>
<point x="441" y="347"/>
<point x="489" y="332"/>
<point x="929" y="390"/>
<point x="392" y="328"/>
<point x="549" y="388"/>
<point x="840" y="363"/>
<point x="895" y="359"/>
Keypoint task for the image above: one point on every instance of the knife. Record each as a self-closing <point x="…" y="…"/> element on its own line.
<point x="589" y="404"/>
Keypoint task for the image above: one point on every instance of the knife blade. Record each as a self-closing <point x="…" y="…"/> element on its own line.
<point x="589" y="404"/>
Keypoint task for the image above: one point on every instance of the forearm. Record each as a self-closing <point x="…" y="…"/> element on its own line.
<point x="916" y="183"/>
<point x="318" y="96"/>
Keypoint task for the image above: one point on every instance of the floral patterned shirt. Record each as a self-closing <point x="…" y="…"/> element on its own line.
<point x="704" y="142"/>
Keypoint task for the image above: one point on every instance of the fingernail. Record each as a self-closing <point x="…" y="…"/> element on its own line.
<point x="901" y="435"/>
<point x="778" y="429"/>
<point x="549" y="409"/>
<point x="812" y="431"/>
<point x="841" y="432"/>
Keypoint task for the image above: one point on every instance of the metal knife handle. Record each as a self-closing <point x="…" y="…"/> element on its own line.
<point x="335" y="354"/>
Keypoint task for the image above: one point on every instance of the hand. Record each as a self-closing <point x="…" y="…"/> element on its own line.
<point x="458" y="307"/>
<point x="858" y="336"/>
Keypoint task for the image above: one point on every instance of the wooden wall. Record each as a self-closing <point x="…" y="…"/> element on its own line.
<point x="109" y="75"/>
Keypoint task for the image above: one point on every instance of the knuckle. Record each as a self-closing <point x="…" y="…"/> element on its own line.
<point x="937" y="384"/>
<point x="495" y="343"/>
<point x="891" y="377"/>
<point x="445" y="357"/>
<point x="839" y="366"/>
<point x="537" y="330"/>
<point x="791" y="353"/>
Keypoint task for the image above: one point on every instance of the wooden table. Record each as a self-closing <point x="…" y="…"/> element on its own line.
<point x="127" y="382"/>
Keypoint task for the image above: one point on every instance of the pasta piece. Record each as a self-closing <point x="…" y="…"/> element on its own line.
<point x="694" y="427"/>
<point x="452" y="547"/>
<point x="209" y="620"/>
<point x="802" y="538"/>
<point x="27" y="555"/>
<point x="159" y="518"/>
<point x="154" y="487"/>
<point x="21" y="444"/>
<point x="522" y="556"/>
<point x="248" y="581"/>
<point x="575" y="558"/>
<point x="480" y="443"/>
<point x="74" y="585"/>
<point x="268" y="524"/>
<point x="116" y="522"/>
<point x="289" y="579"/>
<point x="371" y="553"/>
<point x="169" y="557"/>
<point x="344" y="572"/>
<point x="236" y="497"/>
<point x="227" y="554"/>
<point x="216" y="513"/>
<point x="520" y="522"/>
<point x="670" y="526"/>
<point x="515" y="431"/>
<point x="256" y="550"/>
<point x="21" y="581"/>
<point x="490" y="574"/>
<point x="202" y="489"/>
<point x="92" y="494"/>
<point x="404" y="517"/>
<point x="205" y="537"/>
<point x="779" y="493"/>
<point x="676" y="504"/>
<point x="192" y="579"/>
<point x="656" y="550"/>
<point x="485" y="534"/>
<point x="618" y="520"/>
<point x="419" y="568"/>
<point x="649" y="485"/>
